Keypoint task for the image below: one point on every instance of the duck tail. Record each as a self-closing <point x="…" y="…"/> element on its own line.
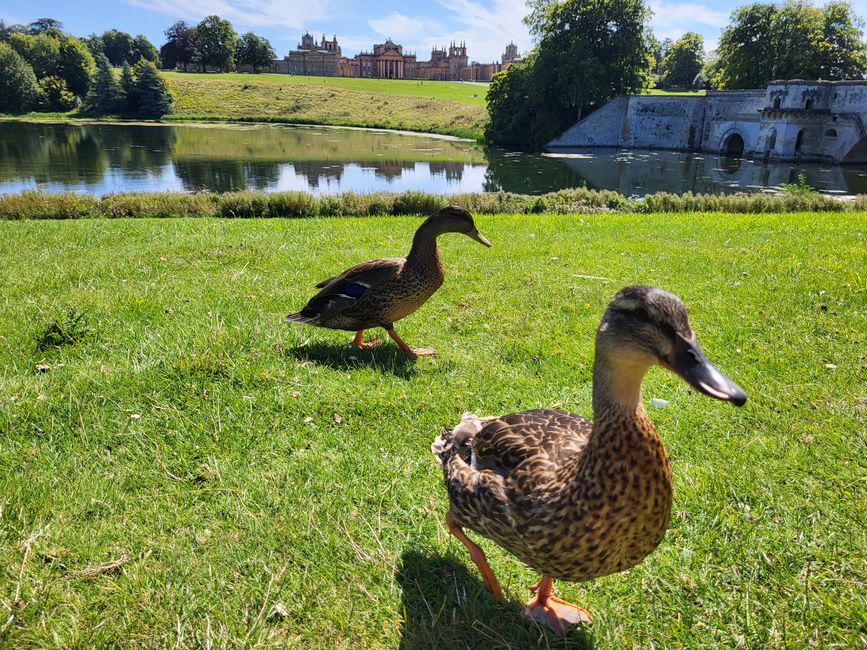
<point x="460" y="436"/>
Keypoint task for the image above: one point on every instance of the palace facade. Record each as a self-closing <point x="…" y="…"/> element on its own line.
<point x="389" y="61"/>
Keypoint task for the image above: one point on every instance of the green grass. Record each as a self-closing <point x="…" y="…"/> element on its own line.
<point x="660" y="91"/>
<point x="180" y="427"/>
<point x="447" y="108"/>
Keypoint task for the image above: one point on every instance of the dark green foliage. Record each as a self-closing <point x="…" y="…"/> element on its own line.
<point x="45" y="26"/>
<point x="18" y="88"/>
<point x="254" y="51"/>
<point x="67" y="330"/>
<point x="76" y="65"/>
<point x="215" y="43"/>
<point x="180" y="46"/>
<point x="151" y="97"/>
<point x="683" y="62"/>
<point x="105" y="96"/>
<point x="589" y="51"/>
<point x="128" y="90"/>
<point x="796" y="40"/>
<point x="55" y="95"/>
<point x="119" y="46"/>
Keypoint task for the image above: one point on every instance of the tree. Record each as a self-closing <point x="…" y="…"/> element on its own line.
<point x="215" y="43"/>
<point x="128" y="90"/>
<point x="76" y="65"/>
<point x="119" y="46"/>
<point x="151" y="93"/>
<point x="589" y="51"/>
<point x="765" y="42"/>
<point x="18" y="88"/>
<point x="144" y="49"/>
<point x="55" y="95"/>
<point x="105" y="94"/>
<point x="45" y="26"/>
<point x="180" y="48"/>
<point x="683" y="62"/>
<point x="41" y="51"/>
<point x="254" y="51"/>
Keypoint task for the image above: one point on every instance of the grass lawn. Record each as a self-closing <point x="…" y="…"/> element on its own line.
<point x="448" y="108"/>
<point x="261" y="484"/>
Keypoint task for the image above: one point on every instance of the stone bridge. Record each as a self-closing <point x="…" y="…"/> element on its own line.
<point x="789" y="120"/>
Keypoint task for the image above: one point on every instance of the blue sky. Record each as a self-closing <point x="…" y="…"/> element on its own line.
<point x="485" y="25"/>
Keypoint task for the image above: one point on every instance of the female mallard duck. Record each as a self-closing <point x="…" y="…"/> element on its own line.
<point x="573" y="498"/>
<point x="380" y="292"/>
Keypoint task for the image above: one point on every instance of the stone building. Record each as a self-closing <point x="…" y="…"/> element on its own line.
<point x="311" y="58"/>
<point x="387" y="61"/>
<point x="789" y="120"/>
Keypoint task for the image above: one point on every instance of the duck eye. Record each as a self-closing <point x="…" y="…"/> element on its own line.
<point x="641" y="314"/>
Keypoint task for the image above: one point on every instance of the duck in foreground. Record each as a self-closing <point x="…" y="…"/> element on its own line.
<point x="380" y="292"/>
<point x="577" y="499"/>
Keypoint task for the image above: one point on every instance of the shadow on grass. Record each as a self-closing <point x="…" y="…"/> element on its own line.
<point x="344" y="356"/>
<point x="446" y="606"/>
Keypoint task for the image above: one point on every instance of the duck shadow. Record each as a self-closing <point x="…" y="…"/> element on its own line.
<point x="445" y="605"/>
<point x="344" y="356"/>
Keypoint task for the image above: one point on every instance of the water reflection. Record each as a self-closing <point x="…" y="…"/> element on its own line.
<point x="99" y="158"/>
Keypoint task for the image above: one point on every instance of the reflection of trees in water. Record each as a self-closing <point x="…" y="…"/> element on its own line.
<point x="226" y="175"/>
<point x="316" y="172"/>
<point x="81" y="153"/>
<point x="453" y="171"/>
<point x="522" y="173"/>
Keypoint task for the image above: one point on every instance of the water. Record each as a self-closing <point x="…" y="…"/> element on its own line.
<point x="101" y="158"/>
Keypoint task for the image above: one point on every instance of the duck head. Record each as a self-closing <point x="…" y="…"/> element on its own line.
<point x="453" y="219"/>
<point x="643" y="326"/>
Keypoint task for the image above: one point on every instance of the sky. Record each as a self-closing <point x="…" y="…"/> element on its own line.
<point x="485" y="25"/>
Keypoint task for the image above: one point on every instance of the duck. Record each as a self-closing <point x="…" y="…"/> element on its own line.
<point x="380" y="292"/>
<point x="573" y="498"/>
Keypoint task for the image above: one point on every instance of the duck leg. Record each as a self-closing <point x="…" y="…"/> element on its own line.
<point x="358" y="341"/>
<point x="557" y="614"/>
<point x="478" y="556"/>
<point x="418" y="352"/>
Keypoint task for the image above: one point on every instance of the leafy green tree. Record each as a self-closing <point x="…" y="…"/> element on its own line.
<point x="683" y="62"/>
<point x="765" y="42"/>
<point x="254" y="51"/>
<point x="215" y="43"/>
<point x="144" y="49"/>
<point x="151" y="93"/>
<point x="180" y="46"/>
<point x="55" y="95"/>
<point x="588" y="52"/>
<point x="105" y="94"/>
<point x="76" y="65"/>
<point x="41" y="51"/>
<point x="119" y="46"/>
<point x="128" y="89"/>
<point x="18" y="88"/>
<point x="45" y="26"/>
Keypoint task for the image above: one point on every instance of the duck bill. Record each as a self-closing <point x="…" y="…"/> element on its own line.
<point x="479" y="237"/>
<point x="689" y="361"/>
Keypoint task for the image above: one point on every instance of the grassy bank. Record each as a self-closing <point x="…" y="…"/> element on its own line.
<point x="39" y="205"/>
<point x="180" y="467"/>
<point x="430" y="107"/>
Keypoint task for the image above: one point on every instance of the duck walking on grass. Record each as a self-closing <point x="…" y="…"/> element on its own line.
<point x="573" y="498"/>
<point x="380" y="292"/>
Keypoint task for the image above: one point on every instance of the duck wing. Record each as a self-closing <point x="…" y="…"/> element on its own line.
<point x="341" y="292"/>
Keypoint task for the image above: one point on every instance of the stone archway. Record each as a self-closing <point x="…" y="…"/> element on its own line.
<point x="733" y="145"/>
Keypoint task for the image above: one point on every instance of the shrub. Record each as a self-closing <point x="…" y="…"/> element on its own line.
<point x="55" y="95"/>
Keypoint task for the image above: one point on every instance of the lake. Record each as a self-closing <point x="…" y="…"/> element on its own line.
<point x="99" y="158"/>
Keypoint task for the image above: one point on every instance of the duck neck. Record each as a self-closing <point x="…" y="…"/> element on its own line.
<point x="424" y="254"/>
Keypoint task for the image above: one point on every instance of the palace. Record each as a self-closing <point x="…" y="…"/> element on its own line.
<point x="389" y="61"/>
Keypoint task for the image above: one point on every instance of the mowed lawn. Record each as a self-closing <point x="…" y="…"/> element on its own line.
<point x="189" y="470"/>
<point x="443" y="107"/>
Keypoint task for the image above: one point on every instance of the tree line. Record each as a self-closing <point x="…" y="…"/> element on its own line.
<point x="214" y="43"/>
<point x="590" y="51"/>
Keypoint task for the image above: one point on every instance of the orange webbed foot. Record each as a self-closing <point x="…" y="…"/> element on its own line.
<point x="549" y="610"/>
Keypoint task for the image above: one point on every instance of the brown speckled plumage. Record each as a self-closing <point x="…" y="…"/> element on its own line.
<point x="380" y="292"/>
<point x="573" y="498"/>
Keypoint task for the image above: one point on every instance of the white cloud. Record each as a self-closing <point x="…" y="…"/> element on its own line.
<point x="673" y="20"/>
<point x="293" y="14"/>
<point x="485" y="29"/>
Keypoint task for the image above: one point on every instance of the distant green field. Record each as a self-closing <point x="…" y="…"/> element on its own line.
<point x="260" y="485"/>
<point x="430" y="106"/>
<point x="471" y="94"/>
<point x="659" y="91"/>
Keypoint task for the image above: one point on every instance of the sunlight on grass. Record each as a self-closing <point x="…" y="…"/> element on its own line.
<point x="196" y="472"/>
